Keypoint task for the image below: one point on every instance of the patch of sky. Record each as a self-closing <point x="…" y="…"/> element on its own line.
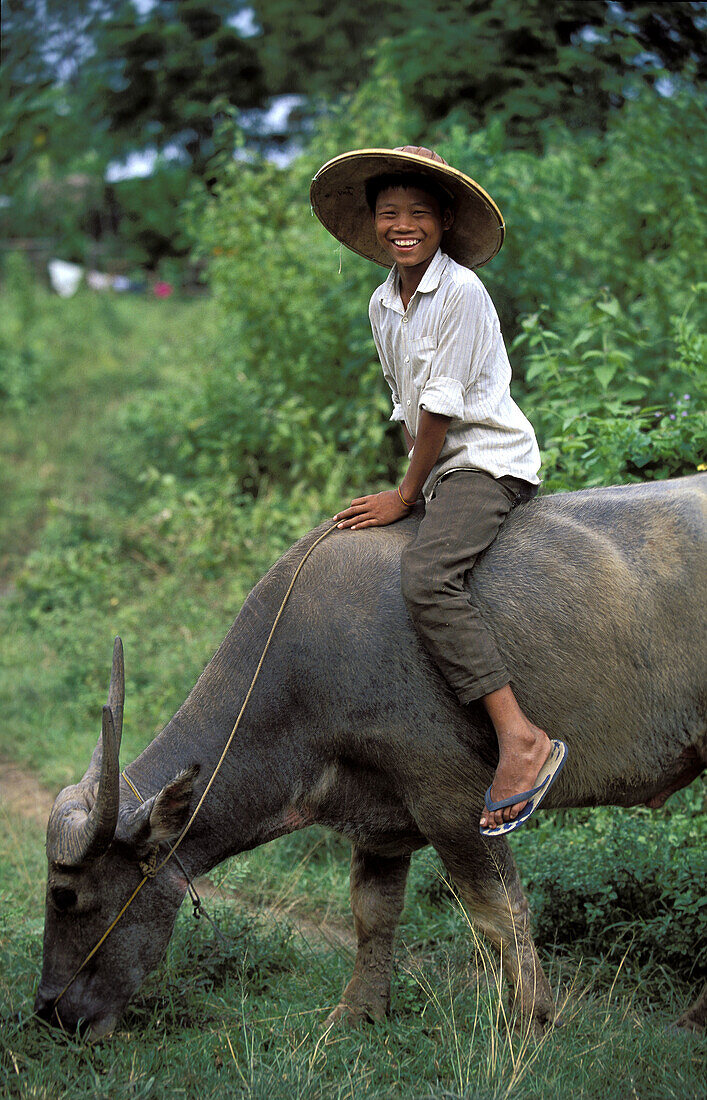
<point x="245" y="23"/>
<point x="140" y="163"/>
<point x="274" y="118"/>
<point x="270" y="125"/>
<point x="665" y="86"/>
<point x="591" y="34"/>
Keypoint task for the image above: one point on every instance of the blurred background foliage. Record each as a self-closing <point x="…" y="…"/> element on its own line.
<point x="89" y="86"/>
<point x="159" y="455"/>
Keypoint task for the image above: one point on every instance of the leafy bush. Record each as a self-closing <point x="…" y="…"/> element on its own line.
<point x="288" y="397"/>
<point x="602" y="257"/>
<point x="620" y="213"/>
<point x="292" y="380"/>
<point x="588" y="397"/>
<point x="642" y="890"/>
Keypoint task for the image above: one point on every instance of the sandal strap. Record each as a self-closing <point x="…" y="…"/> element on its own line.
<point x="524" y="796"/>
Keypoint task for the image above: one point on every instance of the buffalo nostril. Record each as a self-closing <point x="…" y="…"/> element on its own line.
<point x="47" y="1010"/>
<point x="44" y="1009"/>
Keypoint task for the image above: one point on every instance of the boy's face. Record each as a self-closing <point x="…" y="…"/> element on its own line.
<point x="409" y="226"/>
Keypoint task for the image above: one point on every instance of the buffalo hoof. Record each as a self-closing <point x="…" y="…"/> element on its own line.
<point x="532" y="1028"/>
<point x="346" y="1016"/>
<point x="689" y="1023"/>
<point x="695" y="1018"/>
<point x="534" y="1021"/>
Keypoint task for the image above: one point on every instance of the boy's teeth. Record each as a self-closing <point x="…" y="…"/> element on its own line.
<point x="406" y="243"/>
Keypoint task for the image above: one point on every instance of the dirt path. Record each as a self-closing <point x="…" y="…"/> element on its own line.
<point x="23" y="796"/>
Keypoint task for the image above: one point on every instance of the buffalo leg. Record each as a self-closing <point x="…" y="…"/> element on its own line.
<point x="490" y="888"/>
<point x="377" y="894"/>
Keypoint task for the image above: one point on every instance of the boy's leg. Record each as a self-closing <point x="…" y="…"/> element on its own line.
<point x="460" y="522"/>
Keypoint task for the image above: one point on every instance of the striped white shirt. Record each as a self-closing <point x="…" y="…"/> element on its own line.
<point x="445" y="353"/>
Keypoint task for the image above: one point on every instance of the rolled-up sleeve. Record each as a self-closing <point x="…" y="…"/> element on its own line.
<point x="460" y="352"/>
<point x="444" y="396"/>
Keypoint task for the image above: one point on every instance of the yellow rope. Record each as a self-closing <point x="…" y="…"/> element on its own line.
<point x="134" y="789"/>
<point x="102" y="940"/>
<point x="215" y="772"/>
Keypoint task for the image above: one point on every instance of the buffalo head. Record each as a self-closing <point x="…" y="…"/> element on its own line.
<point x="95" y="849"/>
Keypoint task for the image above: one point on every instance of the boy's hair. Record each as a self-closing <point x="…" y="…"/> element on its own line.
<point x="420" y="180"/>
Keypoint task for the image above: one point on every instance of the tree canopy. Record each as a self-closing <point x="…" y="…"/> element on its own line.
<point x="163" y="77"/>
<point x="471" y="60"/>
<point x="160" y="74"/>
<point x="91" y="82"/>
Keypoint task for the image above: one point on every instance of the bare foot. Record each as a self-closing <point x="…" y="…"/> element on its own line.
<point x="523" y="751"/>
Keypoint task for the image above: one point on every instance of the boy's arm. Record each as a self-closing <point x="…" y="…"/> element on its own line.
<point x="380" y="509"/>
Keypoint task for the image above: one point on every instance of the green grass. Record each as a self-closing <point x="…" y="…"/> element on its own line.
<point x="51" y="442"/>
<point x="87" y="552"/>
<point x="247" y="1020"/>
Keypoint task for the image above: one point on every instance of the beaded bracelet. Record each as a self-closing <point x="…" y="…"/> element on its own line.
<point x="407" y="503"/>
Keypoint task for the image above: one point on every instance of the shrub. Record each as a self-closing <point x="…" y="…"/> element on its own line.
<point x="589" y="394"/>
<point x="642" y="889"/>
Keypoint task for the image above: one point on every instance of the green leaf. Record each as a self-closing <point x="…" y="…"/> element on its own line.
<point x="611" y="307"/>
<point x="604" y="373"/>
<point x="582" y="337"/>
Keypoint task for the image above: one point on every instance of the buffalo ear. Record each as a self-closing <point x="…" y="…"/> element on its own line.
<point x="161" y="818"/>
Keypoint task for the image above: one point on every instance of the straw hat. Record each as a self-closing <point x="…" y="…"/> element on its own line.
<point x="338" y="197"/>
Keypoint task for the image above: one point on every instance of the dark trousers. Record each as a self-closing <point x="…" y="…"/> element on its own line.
<point x="460" y="522"/>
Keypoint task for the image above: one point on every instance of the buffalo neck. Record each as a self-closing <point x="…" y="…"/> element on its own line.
<point x="270" y="763"/>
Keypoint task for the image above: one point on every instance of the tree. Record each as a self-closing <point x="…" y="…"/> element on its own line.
<point x="526" y="61"/>
<point x="321" y="48"/>
<point x="41" y="119"/>
<point x="521" y="60"/>
<point x="164" y="76"/>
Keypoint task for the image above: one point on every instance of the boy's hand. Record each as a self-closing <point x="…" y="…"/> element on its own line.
<point x="374" y="510"/>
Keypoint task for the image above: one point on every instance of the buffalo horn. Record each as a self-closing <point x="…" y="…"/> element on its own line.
<point x="78" y="830"/>
<point x="116" y="691"/>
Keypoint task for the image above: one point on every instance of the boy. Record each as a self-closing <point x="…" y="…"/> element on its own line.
<point x="473" y="454"/>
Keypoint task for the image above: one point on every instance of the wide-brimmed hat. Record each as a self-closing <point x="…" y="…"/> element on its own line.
<point x="338" y="197"/>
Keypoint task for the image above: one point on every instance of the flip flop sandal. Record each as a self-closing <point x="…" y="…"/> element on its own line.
<point x="546" y="777"/>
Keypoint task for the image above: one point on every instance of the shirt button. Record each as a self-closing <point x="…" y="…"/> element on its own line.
<point x="405" y="320"/>
<point x="408" y="400"/>
<point x="407" y="358"/>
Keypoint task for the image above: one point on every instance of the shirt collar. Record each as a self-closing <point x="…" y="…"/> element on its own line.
<point x="390" y="297"/>
<point x="430" y="281"/>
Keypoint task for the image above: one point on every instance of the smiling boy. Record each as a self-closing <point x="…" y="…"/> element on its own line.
<point x="473" y="454"/>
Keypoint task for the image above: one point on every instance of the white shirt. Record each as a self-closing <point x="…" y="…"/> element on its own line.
<point x="445" y="353"/>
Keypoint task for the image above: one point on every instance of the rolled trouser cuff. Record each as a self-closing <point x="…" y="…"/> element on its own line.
<point x="493" y="682"/>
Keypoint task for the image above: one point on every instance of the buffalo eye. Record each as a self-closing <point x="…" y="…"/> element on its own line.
<point x="63" y="897"/>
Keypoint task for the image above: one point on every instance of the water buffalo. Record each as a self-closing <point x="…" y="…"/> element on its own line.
<point x="597" y="601"/>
